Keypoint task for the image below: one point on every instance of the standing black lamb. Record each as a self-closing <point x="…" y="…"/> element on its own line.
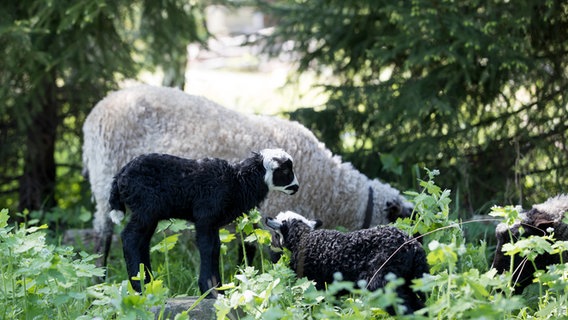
<point x="210" y="192"/>
<point x="368" y="254"/>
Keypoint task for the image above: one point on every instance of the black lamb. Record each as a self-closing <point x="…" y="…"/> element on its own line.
<point x="368" y="254"/>
<point x="542" y="219"/>
<point x="209" y="192"/>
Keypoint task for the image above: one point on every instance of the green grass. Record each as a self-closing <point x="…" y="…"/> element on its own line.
<point x="41" y="280"/>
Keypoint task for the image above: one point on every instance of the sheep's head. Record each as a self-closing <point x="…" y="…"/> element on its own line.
<point x="399" y="208"/>
<point x="279" y="227"/>
<point x="279" y="174"/>
<point x="387" y="203"/>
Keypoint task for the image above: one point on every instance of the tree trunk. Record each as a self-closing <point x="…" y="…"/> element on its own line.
<point x="174" y="69"/>
<point x="37" y="184"/>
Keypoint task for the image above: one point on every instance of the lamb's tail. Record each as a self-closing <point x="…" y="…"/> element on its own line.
<point x="116" y="205"/>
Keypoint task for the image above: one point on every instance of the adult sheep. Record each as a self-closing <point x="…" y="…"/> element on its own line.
<point x="367" y="255"/>
<point x="146" y="119"/>
<point x="540" y="220"/>
<point x="209" y="192"/>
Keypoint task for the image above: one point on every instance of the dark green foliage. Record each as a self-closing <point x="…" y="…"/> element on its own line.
<point x="39" y="280"/>
<point x="173" y="25"/>
<point x="58" y="59"/>
<point x="474" y="88"/>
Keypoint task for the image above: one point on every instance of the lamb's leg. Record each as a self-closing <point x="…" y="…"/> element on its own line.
<point x="209" y="246"/>
<point x="404" y="292"/>
<point x="378" y="281"/>
<point x="136" y="247"/>
<point x="411" y="299"/>
<point x="215" y="256"/>
<point x="249" y="252"/>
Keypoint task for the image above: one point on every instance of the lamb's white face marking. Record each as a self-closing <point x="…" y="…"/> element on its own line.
<point x="290" y="215"/>
<point x="279" y="172"/>
<point x="275" y="225"/>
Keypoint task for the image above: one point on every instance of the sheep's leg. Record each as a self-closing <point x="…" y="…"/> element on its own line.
<point x="103" y="241"/>
<point x="136" y="247"/>
<point x="209" y="249"/>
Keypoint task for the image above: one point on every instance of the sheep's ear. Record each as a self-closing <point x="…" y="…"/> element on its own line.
<point x="272" y="223"/>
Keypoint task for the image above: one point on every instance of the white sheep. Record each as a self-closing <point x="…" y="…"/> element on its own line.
<point x="146" y="119"/>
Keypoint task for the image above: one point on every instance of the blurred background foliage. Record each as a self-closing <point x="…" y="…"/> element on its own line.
<point x="58" y="59"/>
<point x="476" y="89"/>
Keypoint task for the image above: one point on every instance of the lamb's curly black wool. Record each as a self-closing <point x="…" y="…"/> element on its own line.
<point x="542" y="219"/>
<point x="368" y="255"/>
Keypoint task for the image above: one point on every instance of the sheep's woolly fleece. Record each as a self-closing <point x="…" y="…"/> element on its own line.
<point x="147" y="119"/>
<point x="318" y="254"/>
<point x="555" y="207"/>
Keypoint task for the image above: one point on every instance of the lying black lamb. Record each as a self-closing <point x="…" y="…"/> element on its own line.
<point x="542" y="219"/>
<point x="368" y="254"/>
<point x="210" y="192"/>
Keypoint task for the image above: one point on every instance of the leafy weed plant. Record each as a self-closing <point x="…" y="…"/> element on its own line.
<point x="461" y="284"/>
<point x="44" y="281"/>
<point x="40" y="280"/>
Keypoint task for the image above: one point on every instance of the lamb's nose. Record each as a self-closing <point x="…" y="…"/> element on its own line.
<point x="294" y="188"/>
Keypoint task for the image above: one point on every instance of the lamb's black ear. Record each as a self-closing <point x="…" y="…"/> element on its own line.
<point x="317" y="223"/>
